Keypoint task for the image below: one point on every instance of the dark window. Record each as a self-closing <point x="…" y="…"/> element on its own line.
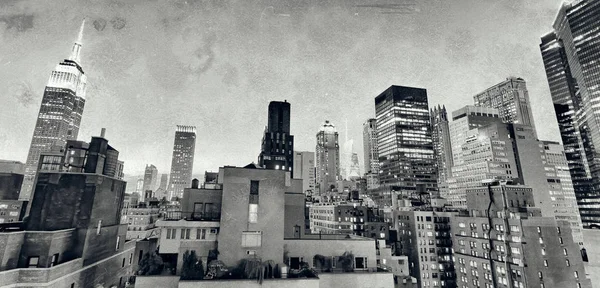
<point x="123" y="264"/>
<point x="253" y="192"/>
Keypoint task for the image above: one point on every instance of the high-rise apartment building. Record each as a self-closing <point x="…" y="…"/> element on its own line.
<point x="277" y="150"/>
<point x="370" y="146"/>
<point x="465" y="119"/>
<point x="60" y="112"/>
<point x="504" y="241"/>
<point x="440" y="133"/>
<point x="512" y="152"/>
<point x="327" y="157"/>
<point x="304" y="166"/>
<point x="406" y="155"/>
<point x="511" y="98"/>
<point x="150" y="179"/>
<point x="570" y="54"/>
<point x="426" y="238"/>
<point x="183" y="160"/>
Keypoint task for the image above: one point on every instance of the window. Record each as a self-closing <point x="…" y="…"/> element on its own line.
<point x="560" y="240"/>
<point x="251" y="238"/>
<point x="185" y="233"/>
<point x="253" y="213"/>
<point x="545" y="263"/>
<point x="33" y="261"/>
<point x="123" y="264"/>
<point x="540" y="275"/>
<point x="118" y="242"/>
<point x="295" y="262"/>
<point x="201" y="234"/>
<point x="54" y="261"/>
<point x="568" y="263"/>
<point x="565" y="252"/>
<point x="253" y="202"/>
<point x="130" y="258"/>
<point x="576" y="274"/>
<point x="361" y="262"/>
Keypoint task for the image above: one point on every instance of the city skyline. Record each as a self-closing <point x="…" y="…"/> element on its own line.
<point x="163" y="92"/>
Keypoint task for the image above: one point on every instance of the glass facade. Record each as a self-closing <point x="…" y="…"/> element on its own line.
<point x="571" y="55"/>
<point x="406" y="155"/>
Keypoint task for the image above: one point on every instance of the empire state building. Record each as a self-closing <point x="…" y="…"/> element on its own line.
<point x="60" y="112"/>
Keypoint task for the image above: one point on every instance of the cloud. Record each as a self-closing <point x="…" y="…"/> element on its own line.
<point x="23" y="93"/>
<point x="118" y="23"/>
<point x="19" y="22"/>
<point x="99" y="24"/>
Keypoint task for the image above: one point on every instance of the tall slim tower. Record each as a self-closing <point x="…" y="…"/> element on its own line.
<point x="404" y="140"/>
<point x="277" y="150"/>
<point x="570" y="54"/>
<point x="327" y="156"/>
<point x="183" y="160"/>
<point x="60" y="112"/>
<point x="440" y="133"/>
<point x="511" y="98"/>
<point x="304" y="165"/>
<point x="370" y="146"/>
<point x="150" y="179"/>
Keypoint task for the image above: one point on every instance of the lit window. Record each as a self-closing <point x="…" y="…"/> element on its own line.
<point x="118" y="242"/>
<point x="251" y="238"/>
<point x="253" y="213"/>
<point x="276" y="167"/>
<point x="33" y="261"/>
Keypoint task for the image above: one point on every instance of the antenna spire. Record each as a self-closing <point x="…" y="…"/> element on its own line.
<point x="75" y="53"/>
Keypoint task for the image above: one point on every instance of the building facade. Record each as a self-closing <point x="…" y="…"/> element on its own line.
<point x="511" y="98"/>
<point x="327" y="157"/>
<point x="503" y="241"/>
<point x="73" y="237"/>
<point x="371" y="155"/>
<point x="404" y="142"/>
<point x="183" y="160"/>
<point x="425" y="237"/>
<point x="60" y="112"/>
<point x="440" y="133"/>
<point x="150" y="178"/>
<point x="569" y="54"/>
<point x="304" y="167"/>
<point x="277" y="150"/>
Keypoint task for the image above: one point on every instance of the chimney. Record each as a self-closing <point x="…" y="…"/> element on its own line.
<point x="102" y="132"/>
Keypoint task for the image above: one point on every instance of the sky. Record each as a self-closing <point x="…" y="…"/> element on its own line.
<point x="152" y="65"/>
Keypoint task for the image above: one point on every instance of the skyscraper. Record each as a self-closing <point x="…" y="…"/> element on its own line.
<point x="404" y="141"/>
<point x="277" y="143"/>
<point x="570" y="54"/>
<point x="183" y="160"/>
<point x="327" y="157"/>
<point x="60" y="113"/>
<point x="304" y="165"/>
<point x="511" y="98"/>
<point x="440" y="134"/>
<point x="370" y="146"/>
<point x="150" y="179"/>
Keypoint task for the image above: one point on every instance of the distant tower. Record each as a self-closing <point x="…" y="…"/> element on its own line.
<point x="371" y="159"/>
<point x="277" y="150"/>
<point x="60" y="113"/>
<point x="183" y="160"/>
<point x="150" y="179"/>
<point x="440" y="134"/>
<point x="511" y="98"/>
<point x="404" y="140"/>
<point x="327" y="156"/>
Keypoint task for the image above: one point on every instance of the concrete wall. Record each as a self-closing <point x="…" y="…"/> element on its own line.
<point x="157" y="281"/>
<point x="107" y="272"/>
<point x="309" y="248"/>
<point x="169" y="246"/>
<point x="235" y="210"/>
<point x="11" y="244"/>
<point x="97" y="247"/>
<point x="356" y="279"/>
<point x="44" y="244"/>
<point x="592" y="267"/>
<point x="294" y="214"/>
